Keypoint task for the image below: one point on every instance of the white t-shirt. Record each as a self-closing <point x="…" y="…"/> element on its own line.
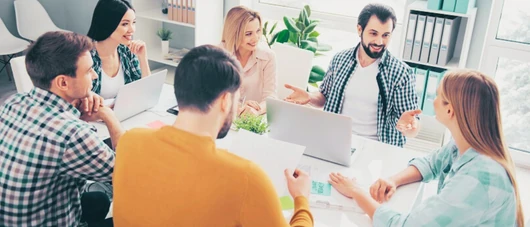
<point x="111" y="85"/>
<point x="360" y="100"/>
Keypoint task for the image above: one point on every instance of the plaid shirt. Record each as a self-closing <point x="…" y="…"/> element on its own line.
<point x="396" y="91"/>
<point x="473" y="190"/>
<point x="129" y="62"/>
<point x="46" y="155"/>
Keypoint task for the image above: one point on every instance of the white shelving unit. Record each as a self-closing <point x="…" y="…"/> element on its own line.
<point x="207" y="29"/>
<point x="463" y="40"/>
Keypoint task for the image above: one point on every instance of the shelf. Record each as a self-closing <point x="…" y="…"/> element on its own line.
<point x="156" y="14"/>
<point x="154" y="54"/>
<point x="422" y="6"/>
<point x="452" y="64"/>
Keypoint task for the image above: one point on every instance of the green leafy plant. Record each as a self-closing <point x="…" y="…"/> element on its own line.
<point x="300" y="32"/>
<point x="164" y="34"/>
<point x="251" y="123"/>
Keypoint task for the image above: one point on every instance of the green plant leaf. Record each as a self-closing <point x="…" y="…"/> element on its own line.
<point x="283" y="36"/>
<point x="265" y="27"/>
<point x="319" y="70"/>
<point x="317" y="54"/>
<point x="313" y="84"/>
<point x="308" y="45"/>
<point x="308" y="10"/>
<point x="290" y="24"/>
<point x="300" y="25"/>
<point x="164" y="34"/>
<point x="310" y="28"/>
<point x="305" y="17"/>
<point x="315" y="77"/>
<point x="323" y="47"/>
<point x="314" y="34"/>
<point x="251" y="123"/>
<point x="273" y="39"/>
<point x="293" y="37"/>
<point x="273" y="27"/>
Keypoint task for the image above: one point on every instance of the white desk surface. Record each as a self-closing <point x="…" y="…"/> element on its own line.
<point x="373" y="159"/>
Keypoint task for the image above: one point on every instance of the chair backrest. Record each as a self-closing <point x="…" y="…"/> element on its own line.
<point x="293" y="66"/>
<point x="20" y="74"/>
<point x="4" y="33"/>
<point x="32" y="19"/>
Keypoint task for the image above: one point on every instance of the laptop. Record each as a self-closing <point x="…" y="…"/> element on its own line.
<point x="139" y="95"/>
<point x="326" y="136"/>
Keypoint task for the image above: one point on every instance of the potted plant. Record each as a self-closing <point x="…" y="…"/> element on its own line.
<point x="252" y="123"/>
<point x="300" y="32"/>
<point x="165" y="35"/>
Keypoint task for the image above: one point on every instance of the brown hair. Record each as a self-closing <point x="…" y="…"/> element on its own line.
<point x="234" y="27"/>
<point x="471" y="93"/>
<point x="55" y="53"/>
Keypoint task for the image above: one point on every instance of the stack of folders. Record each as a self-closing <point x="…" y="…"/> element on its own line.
<point x="181" y="10"/>
<point x="427" y="81"/>
<point x="457" y="6"/>
<point x="431" y="39"/>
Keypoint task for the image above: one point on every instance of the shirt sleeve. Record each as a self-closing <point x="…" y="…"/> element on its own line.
<point x="462" y="202"/>
<point x="262" y="205"/>
<point x="405" y="98"/>
<point x="269" y="78"/>
<point x="327" y="82"/>
<point x="433" y="164"/>
<point x="87" y="157"/>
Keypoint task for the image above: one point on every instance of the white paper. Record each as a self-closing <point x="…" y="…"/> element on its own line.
<point x="273" y="156"/>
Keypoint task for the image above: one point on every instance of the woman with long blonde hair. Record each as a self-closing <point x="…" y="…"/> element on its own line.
<point x="477" y="185"/>
<point x="241" y="37"/>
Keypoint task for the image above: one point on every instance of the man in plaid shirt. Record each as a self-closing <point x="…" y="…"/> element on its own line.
<point x="368" y="84"/>
<point x="46" y="151"/>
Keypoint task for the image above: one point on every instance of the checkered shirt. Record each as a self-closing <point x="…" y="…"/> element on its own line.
<point x="46" y="155"/>
<point x="397" y="86"/>
<point x="129" y="62"/>
<point x="473" y="190"/>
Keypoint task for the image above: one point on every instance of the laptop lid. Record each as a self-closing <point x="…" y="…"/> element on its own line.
<point x="139" y="95"/>
<point x="325" y="135"/>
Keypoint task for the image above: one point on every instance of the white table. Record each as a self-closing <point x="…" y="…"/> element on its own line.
<point x="372" y="159"/>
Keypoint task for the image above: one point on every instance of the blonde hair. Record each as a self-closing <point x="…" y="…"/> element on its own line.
<point x="234" y="27"/>
<point x="475" y="99"/>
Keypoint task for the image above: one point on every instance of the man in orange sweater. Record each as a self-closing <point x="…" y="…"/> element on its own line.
<point x="175" y="176"/>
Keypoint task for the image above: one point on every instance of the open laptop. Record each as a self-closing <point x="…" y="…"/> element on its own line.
<point x="139" y="95"/>
<point x="325" y="135"/>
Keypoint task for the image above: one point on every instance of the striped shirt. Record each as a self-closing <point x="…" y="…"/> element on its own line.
<point x="46" y="155"/>
<point x="128" y="61"/>
<point x="473" y="190"/>
<point x="397" y="91"/>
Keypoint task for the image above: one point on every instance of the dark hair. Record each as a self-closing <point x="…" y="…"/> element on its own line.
<point x="203" y="74"/>
<point x="55" y="53"/>
<point x="383" y="13"/>
<point x="106" y="18"/>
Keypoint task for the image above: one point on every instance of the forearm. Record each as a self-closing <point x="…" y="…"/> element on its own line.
<point x="317" y="99"/>
<point x="409" y="175"/>
<point x="144" y="66"/>
<point x="115" y="129"/>
<point x="365" y="202"/>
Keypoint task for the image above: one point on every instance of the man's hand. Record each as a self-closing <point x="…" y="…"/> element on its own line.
<point x="90" y="104"/>
<point x="103" y="113"/>
<point x="299" y="96"/>
<point x="408" y="121"/>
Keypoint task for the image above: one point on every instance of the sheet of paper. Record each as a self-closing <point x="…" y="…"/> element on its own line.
<point x="273" y="156"/>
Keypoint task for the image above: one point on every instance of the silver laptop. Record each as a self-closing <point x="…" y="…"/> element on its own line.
<point x="139" y="95"/>
<point x="325" y="135"/>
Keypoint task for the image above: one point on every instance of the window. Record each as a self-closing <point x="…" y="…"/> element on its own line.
<point x="507" y="58"/>
<point x="347" y="8"/>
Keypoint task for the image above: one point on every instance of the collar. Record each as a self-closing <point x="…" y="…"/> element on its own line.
<point x="464" y="158"/>
<point x="48" y="98"/>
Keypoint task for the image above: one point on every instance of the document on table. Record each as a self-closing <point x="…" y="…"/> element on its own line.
<point x="273" y="156"/>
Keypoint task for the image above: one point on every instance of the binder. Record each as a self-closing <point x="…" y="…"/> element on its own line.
<point x="191" y="17"/>
<point x="176" y="14"/>
<point x="434" y="4"/>
<point x="418" y="38"/>
<point x="447" y="45"/>
<point x="421" y="79"/>
<point x="179" y="10"/>
<point x="433" y="79"/>
<point x="427" y="39"/>
<point x="449" y="5"/>
<point x="407" y="51"/>
<point x="436" y="39"/>
<point x="463" y="6"/>
<point x="184" y="11"/>
<point x="169" y="9"/>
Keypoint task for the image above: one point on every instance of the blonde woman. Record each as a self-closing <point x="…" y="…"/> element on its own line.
<point x="477" y="185"/>
<point x="241" y="37"/>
